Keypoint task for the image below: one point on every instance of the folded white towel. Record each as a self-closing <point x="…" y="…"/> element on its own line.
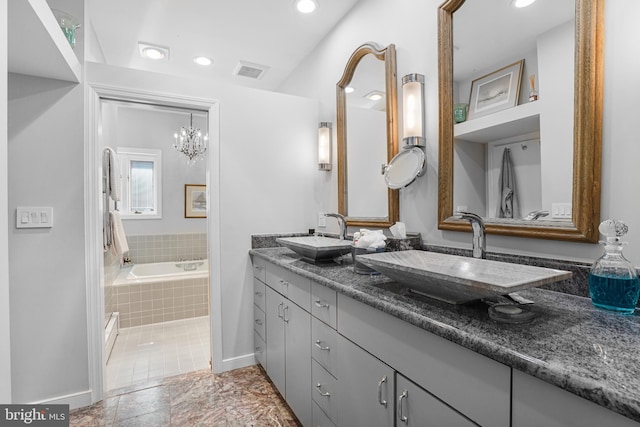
<point x="112" y="169"/>
<point x="119" y="245"/>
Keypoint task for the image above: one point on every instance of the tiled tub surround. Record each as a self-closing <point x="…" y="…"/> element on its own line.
<point x="571" y="344"/>
<point x="167" y="247"/>
<point x="143" y="304"/>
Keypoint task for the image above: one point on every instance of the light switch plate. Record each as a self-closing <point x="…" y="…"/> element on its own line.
<point x="322" y="220"/>
<point x="34" y="217"/>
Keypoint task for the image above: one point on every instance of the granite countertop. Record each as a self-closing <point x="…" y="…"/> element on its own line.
<point x="571" y="344"/>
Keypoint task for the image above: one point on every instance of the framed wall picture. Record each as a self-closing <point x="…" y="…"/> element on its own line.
<point x="195" y="201"/>
<point x="496" y="91"/>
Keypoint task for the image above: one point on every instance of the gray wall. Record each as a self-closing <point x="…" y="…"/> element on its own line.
<point x="46" y="266"/>
<point x="5" y="330"/>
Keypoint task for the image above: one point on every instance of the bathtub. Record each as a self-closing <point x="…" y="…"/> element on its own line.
<point x="162" y="292"/>
<point x="163" y="271"/>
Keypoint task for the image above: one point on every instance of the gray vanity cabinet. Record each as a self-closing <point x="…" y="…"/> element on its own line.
<point x="288" y="355"/>
<point x="365" y="388"/>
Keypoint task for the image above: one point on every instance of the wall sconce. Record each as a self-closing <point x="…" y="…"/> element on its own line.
<point x="324" y="146"/>
<point x="413" y="110"/>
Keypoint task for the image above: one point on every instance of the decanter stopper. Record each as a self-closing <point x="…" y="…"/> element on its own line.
<point x="613" y="229"/>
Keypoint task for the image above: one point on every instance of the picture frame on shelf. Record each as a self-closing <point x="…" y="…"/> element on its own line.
<point x="496" y="91"/>
<point x="195" y="201"/>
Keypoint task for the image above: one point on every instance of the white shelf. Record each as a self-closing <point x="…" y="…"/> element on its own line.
<point x="37" y="45"/>
<point x="519" y="120"/>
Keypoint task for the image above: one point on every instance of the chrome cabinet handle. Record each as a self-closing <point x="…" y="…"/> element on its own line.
<point x="285" y="314"/>
<point x="284" y="282"/>
<point x="258" y="294"/>
<point x="320" y="304"/>
<point x="401" y="415"/>
<point x="380" y="400"/>
<point x="258" y="349"/>
<point x="258" y="267"/>
<point x="322" y="393"/>
<point x="318" y="344"/>
<point x="258" y="322"/>
<point x="280" y="310"/>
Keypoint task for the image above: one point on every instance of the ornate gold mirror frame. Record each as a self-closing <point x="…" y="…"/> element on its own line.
<point x="587" y="145"/>
<point x="388" y="55"/>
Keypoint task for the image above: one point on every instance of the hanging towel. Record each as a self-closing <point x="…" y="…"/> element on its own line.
<point x="508" y="206"/>
<point x="119" y="245"/>
<point x="112" y="171"/>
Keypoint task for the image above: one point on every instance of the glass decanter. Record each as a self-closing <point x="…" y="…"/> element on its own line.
<point x="613" y="281"/>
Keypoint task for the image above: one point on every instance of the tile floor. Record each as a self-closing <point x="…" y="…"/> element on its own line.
<point x="159" y="350"/>
<point x="243" y="397"/>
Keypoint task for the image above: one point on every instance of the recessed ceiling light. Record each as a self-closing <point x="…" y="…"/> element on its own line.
<point x="522" y="3"/>
<point x="306" y="6"/>
<point x="374" y="95"/>
<point x="202" y="60"/>
<point x="153" y="52"/>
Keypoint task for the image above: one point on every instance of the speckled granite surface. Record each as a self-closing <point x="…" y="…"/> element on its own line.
<point x="571" y="344"/>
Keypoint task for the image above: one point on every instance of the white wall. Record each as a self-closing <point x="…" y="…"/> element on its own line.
<point x="46" y="266"/>
<point x="153" y="128"/>
<point x="5" y="330"/>
<point x="267" y="164"/>
<point x="412" y="26"/>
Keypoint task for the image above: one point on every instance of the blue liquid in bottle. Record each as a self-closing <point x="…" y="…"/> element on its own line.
<point x="613" y="281"/>
<point x="614" y="293"/>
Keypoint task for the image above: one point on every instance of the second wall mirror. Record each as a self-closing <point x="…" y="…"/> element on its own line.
<point x="367" y="131"/>
<point x="524" y="148"/>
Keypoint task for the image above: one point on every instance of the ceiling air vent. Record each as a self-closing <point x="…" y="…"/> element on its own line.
<point x="250" y="70"/>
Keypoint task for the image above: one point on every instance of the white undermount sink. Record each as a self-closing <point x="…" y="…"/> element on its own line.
<point x="316" y="248"/>
<point x="457" y="279"/>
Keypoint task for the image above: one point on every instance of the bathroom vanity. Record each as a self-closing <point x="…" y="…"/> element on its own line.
<point x="347" y="350"/>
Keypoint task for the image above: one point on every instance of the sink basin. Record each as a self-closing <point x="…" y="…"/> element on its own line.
<point x="457" y="279"/>
<point x="316" y="248"/>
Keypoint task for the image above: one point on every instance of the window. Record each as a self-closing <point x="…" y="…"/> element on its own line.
<point x="141" y="183"/>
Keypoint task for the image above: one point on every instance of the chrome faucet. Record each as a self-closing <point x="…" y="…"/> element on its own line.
<point x="342" y="222"/>
<point x="477" y="226"/>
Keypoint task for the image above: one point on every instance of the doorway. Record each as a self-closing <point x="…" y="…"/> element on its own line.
<point x="159" y="329"/>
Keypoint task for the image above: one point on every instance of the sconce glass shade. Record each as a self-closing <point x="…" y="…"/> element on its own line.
<point x="324" y="146"/>
<point x="413" y="109"/>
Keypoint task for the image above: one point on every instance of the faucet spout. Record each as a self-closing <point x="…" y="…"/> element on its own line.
<point x="342" y="222"/>
<point x="477" y="226"/>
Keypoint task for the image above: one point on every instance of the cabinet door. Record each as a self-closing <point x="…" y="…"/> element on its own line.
<point x="275" y="338"/>
<point x="537" y="403"/>
<point x="365" y="387"/>
<point x="298" y="361"/>
<point x="417" y="408"/>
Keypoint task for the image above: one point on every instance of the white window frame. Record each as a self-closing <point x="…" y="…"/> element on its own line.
<point x="126" y="156"/>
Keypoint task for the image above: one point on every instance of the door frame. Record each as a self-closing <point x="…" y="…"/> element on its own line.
<point x="93" y="220"/>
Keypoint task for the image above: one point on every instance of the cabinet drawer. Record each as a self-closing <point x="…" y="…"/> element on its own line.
<point x="291" y="285"/>
<point x="324" y="348"/>
<point x="258" y="293"/>
<point x="259" y="322"/>
<point x="319" y="418"/>
<point x="323" y="390"/>
<point x="464" y="379"/>
<point x="323" y="303"/>
<point x="260" y="350"/>
<point x="260" y="269"/>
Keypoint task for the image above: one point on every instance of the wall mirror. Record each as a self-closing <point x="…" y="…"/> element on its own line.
<point x="367" y="131"/>
<point x="549" y="145"/>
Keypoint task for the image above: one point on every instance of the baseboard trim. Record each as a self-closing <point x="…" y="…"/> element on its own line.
<point x="238" y="362"/>
<point x="75" y="400"/>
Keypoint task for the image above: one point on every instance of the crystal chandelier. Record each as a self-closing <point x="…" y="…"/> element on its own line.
<point x="191" y="142"/>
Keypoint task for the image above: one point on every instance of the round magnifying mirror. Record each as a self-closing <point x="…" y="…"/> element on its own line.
<point x="405" y="167"/>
